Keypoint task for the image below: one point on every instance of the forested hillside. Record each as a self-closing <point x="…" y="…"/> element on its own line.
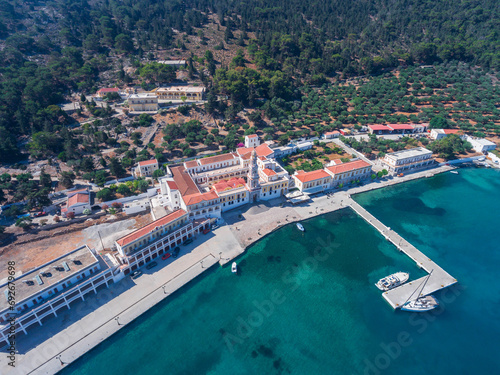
<point x="52" y="48"/>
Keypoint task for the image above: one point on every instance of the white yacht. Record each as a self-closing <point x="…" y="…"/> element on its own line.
<point x="301" y="227"/>
<point x="234" y="268"/>
<point x="421" y="303"/>
<point x="454" y="172"/>
<point x="392" y="281"/>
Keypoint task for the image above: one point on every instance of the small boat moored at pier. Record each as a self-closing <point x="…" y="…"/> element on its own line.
<point x="234" y="268"/>
<point x="301" y="227"/>
<point x="421" y="303"/>
<point x="392" y="281"/>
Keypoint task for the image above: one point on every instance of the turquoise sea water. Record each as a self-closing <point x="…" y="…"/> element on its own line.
<point x="306" y="303"/>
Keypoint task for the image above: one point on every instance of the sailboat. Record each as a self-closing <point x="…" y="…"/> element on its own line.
<point x="421" y="303"/>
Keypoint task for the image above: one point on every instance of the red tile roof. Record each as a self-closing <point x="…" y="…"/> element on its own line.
<point x="252" y="136"/>
<point x="184" y="182"/>
<point x="70" y="193"/>
<point x="230" y="184"/>
<point x="148" y="162"/>
<point x="378" y="127"/>
<point x="191" y="164"/>
<point x="349" y="166"/>
<point x="311" y="176"/>
<point x="199" y="197"/>
<point x="78" y="198"/>
<point x="268" y="172"/>
<point x="452" y="131"/>
<point x="400" y="126"/>
<point x="110" y="89"/>
<point x="139" y="233"/>
<point x="172" y="185"/>
<point x="261" y="150"/>
<point x="217" y="159"/>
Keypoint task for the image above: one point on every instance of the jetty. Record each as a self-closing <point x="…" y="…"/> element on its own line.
<point x="396" y="297"/>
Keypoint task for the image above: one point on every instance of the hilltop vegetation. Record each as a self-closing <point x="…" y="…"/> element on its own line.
<point x="51" y="49"/>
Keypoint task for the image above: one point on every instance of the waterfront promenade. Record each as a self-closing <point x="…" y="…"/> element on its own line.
<point x="129" y="299"/>
<point x="39" y="354"/>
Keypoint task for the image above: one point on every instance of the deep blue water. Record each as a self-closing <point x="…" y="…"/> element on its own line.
<point x="306" y="303"/>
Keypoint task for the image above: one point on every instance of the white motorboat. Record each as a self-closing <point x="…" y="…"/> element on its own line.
<point x="421" y="303"/>
<point x="392" y="281"/>
<point x="454" y="172"/>
<point x="301" y="227"/>
<point x="234" y="268"/>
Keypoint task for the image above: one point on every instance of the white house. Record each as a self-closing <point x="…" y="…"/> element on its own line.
<point x="438" y="134"/>
<point x="407" y="160"/>
<point x="331" y="135"/>
<point x="252" y="140"/>
<point x="481" y="145"/>
<point x="78" y="201"/>
<point x="312" y="182"/>
<point x="145" y="168"/>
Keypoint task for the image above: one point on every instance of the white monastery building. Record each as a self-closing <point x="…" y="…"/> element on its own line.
<point x="407" y="160"/>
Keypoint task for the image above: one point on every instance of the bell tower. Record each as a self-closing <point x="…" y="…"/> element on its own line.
<point x="253" y="173"/>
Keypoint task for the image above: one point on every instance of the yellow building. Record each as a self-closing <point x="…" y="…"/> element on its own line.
<point x="144" y="102"/>
<point x="190" y="93"/>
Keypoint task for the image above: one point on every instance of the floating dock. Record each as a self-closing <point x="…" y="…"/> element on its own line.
<point x="439" y="279"/>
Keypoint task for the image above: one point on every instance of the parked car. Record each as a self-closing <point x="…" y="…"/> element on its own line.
<point x="40" y="214"/>
<point x="187" y="242"/>
<point x="151" y="265"/>
<point x="166" y="256"/>
<point x="176" y="252"/>
<point x="135" y="274"/>
<point x="205" y="231"/>
<point x="214" y="226"/>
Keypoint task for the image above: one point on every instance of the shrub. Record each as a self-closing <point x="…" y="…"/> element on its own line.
<point x="70" y="215"/>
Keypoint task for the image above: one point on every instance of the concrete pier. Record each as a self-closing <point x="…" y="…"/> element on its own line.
<point x="398" y="296"/>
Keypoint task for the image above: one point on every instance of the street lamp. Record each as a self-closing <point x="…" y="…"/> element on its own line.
<point x="117" y="320"/>
<point x="164" y="291"/>
<point x="60" y="360"/>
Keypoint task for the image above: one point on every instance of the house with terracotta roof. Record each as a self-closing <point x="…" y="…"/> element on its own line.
<point x="344" y="173"/>
<point x="145" y="168"/>
<point x="78" y="201"/>
<point x="312" y="182"/>
<point x="331" y="135"/>
<point x="101" y="93"/>
<point x="261" y="150"/>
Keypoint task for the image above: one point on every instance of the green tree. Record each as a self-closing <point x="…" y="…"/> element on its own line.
<point x="105" y="195"/>
<point x="116" y="168"/>
<point x="67" y="179"/>
<point x="45" y="179"/>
